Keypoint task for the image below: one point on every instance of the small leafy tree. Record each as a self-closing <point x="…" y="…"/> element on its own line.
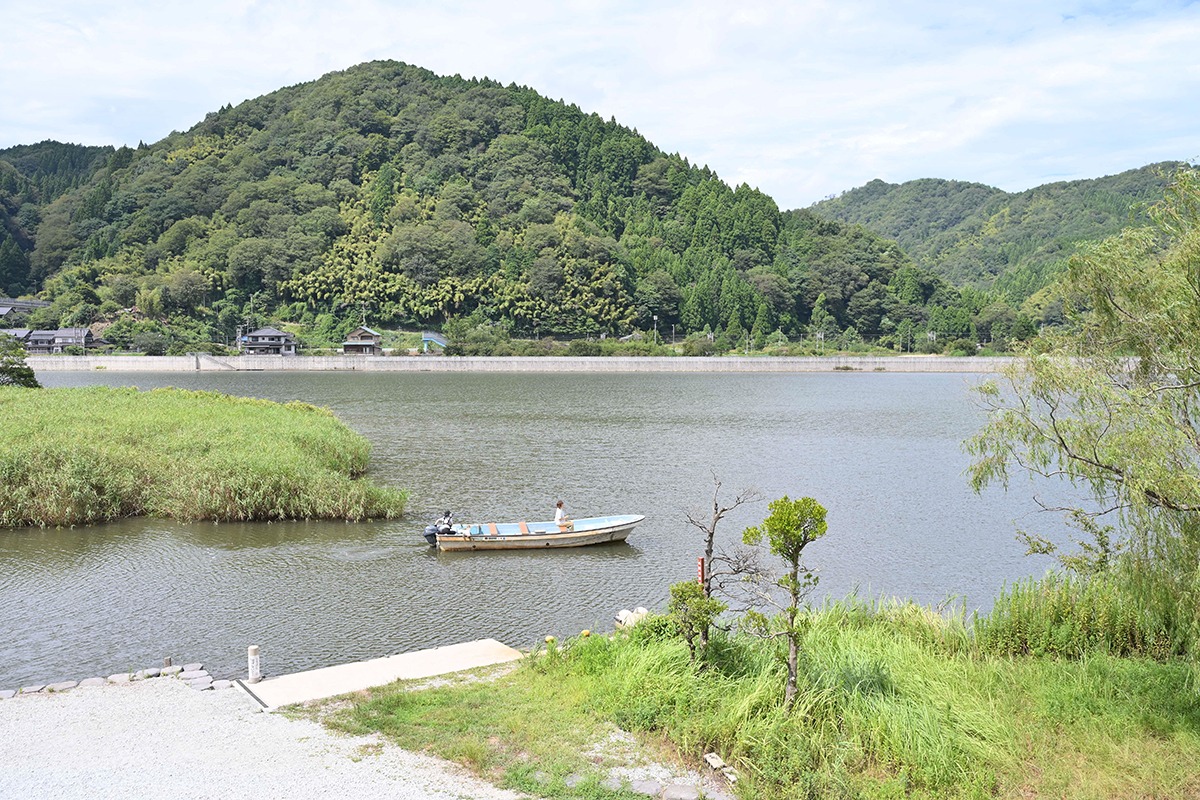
<point x="13" y="369"/>
<point x="693" y="613"/>
<point x="791" y="526"/>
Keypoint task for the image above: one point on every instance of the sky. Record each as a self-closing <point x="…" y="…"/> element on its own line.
<point x="803" y="100"/>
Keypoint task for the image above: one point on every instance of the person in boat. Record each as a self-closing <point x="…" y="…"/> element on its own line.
<point x="445" y="523"/>
<point x="560" y="517"/>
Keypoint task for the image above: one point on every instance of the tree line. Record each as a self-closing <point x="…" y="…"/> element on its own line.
<point x="387" y="193"/>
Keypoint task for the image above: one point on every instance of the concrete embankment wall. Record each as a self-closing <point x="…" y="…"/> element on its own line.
<point x="425" y="363"/>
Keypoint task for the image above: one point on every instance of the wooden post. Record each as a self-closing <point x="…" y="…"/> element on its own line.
<point x="255" y="664"/>
<point x="700" y="569"/>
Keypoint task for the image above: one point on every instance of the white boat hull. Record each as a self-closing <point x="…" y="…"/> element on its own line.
<point x="538" y="535"/>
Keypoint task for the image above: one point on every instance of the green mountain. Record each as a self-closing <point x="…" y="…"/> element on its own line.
<point x="388" y="193"/>
<point x="30" y="177"/>
<point x="977" y="235"/>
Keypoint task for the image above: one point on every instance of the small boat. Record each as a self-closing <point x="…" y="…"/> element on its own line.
<point x="532" y="535"/>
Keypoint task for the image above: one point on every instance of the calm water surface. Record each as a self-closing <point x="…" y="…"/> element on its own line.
<point x="881" y="451"/>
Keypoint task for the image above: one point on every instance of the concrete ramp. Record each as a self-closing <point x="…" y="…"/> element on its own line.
<point x="317" y="684"/>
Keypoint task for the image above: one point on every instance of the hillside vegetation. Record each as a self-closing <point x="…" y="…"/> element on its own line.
<point x="30" y="177"/>
<point x="387" y="193"/>
<point x="971" y="234"/>
<point x="1080" y="684"/>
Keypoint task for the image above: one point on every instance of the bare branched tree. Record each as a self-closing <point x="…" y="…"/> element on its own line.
<point x="725" y="571"/>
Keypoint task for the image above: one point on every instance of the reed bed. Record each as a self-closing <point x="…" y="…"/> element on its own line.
<point x="82" y="456"/>
<point x="1124" y="612"/>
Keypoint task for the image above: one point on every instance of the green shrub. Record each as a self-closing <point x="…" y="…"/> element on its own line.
<point x="583" y="347"/>
<point x="961" y="347"/>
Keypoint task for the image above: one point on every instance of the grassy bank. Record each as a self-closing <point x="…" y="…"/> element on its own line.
<point x="896" y="701"/>
<point x="78" y="456"/>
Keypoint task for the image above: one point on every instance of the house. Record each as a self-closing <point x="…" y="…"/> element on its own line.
<point x="268" y="342"/>
<point x="39" y="343"/>
<point x="10" y="305"/>
<point x="20" y="334"/>
<point x="363" y="341"/>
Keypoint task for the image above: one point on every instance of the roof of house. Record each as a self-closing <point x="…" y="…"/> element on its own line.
<point x="65" y="331"/>
<point x="268" y="332"/>
<point x="16" y="301"/>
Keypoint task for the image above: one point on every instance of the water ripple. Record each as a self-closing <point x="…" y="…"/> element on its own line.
<point x="881" y="452"/>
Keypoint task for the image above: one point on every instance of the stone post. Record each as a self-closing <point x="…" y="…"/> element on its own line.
<point x="255" y="664"/>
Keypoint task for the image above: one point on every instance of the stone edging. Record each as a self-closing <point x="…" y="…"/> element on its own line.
<point x="193" y="674"/>
<point x="535" y="364"/>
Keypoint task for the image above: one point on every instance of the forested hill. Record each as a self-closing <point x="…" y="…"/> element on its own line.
<point x="387" y="193"/>
<point x="32" y="176"/>
<point x="978" y="235"/>
<point x="41" y="172"/>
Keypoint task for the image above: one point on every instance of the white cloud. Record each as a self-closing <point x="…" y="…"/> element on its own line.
<point x="801" y="99"/>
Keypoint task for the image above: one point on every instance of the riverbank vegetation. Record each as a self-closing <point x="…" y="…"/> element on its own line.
<point x="13" y="369"/>
<point x="1081" y="686"/>
<point x="893" y="700"/>
<point x="80" y="456"/>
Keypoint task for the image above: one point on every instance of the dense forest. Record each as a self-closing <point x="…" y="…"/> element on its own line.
<point x="387" y="194"/>
<point x="32" y="176"/>
<point x="980" y="236"/>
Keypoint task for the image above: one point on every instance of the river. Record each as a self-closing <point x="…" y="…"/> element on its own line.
<point x="883" y="452"/>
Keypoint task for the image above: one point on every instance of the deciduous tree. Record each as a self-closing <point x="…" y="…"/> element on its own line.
<point x="1113" y="406"/>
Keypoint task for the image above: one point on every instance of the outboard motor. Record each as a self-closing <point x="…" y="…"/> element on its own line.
<point x="443" y="526"/>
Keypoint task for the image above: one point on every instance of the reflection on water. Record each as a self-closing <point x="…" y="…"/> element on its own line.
<point x="882" y="452"/>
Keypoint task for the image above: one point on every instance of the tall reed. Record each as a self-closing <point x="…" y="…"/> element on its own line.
<point x="1124" y="612"/>
<point x="78" y="456"/>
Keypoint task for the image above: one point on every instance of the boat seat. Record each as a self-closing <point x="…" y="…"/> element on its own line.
<point x="492" y="529"/>
<point x="524" y="528"/>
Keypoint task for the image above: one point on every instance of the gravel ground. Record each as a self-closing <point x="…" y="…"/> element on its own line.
<point x="161" y="740"/>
